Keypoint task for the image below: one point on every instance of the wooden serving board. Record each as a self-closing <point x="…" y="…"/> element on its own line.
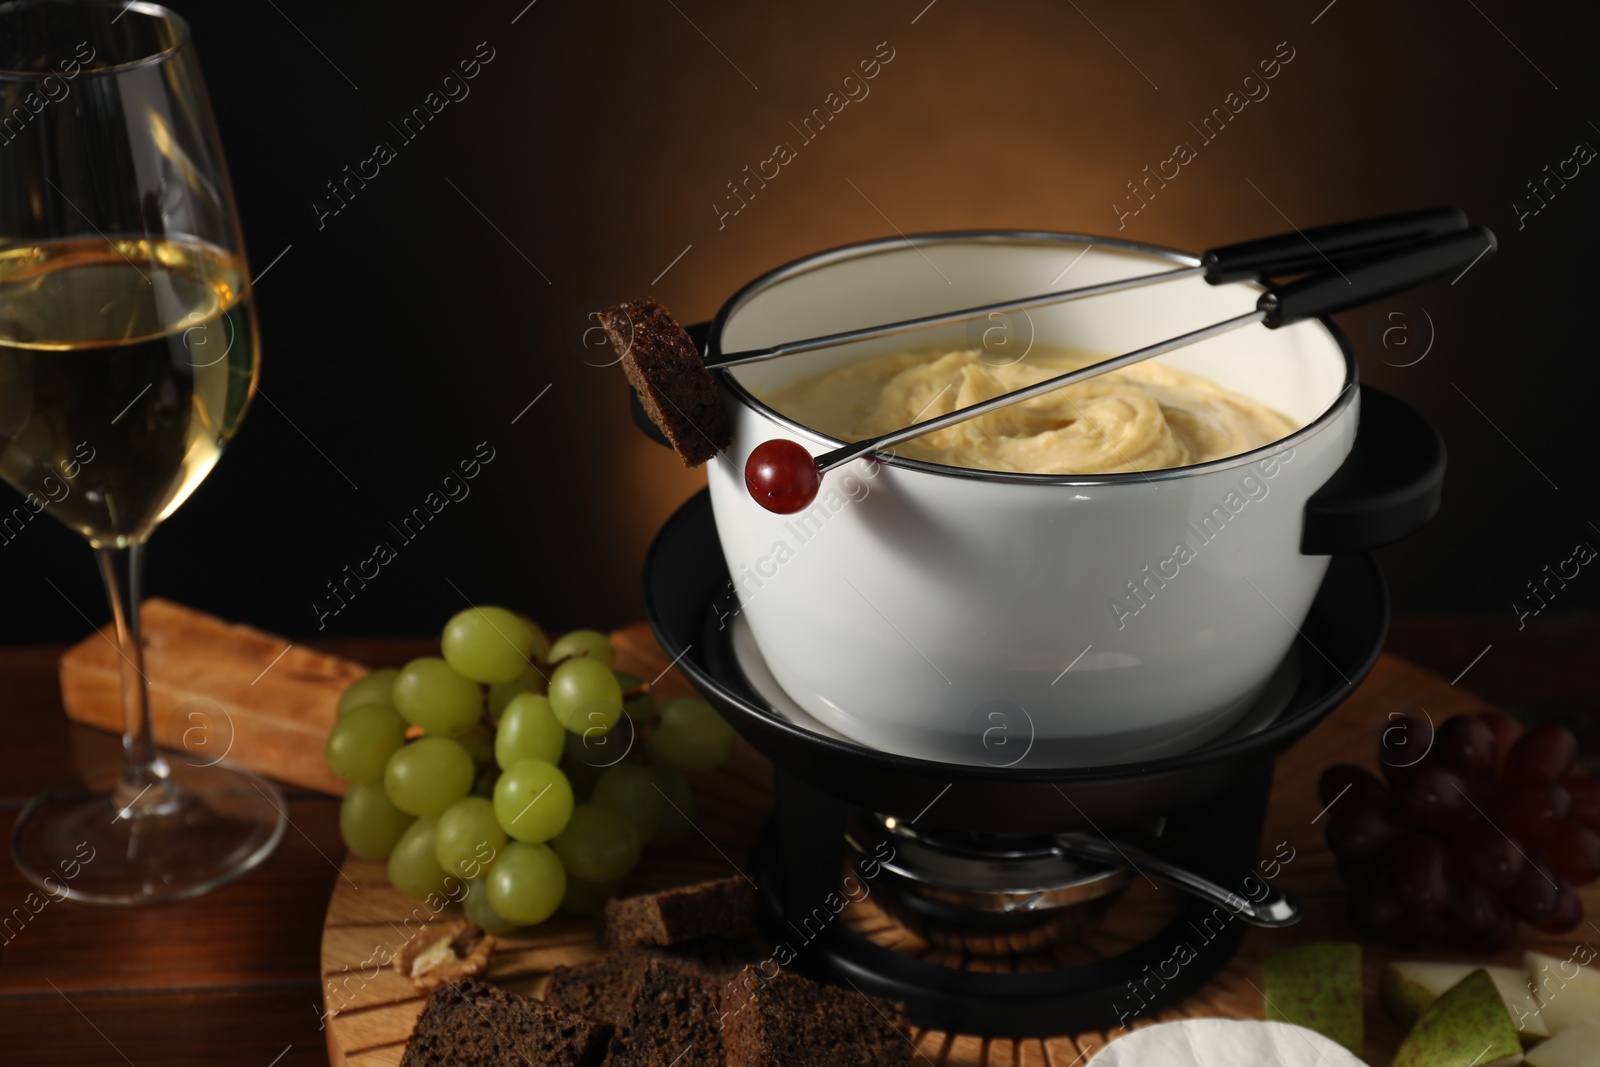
<point x="218" y="689"/>
<point x="372" y="1009"/>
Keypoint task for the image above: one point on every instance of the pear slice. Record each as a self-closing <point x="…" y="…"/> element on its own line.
<point x="1317" y="986"/>
<point x="1408" y="989"/>
<point x="1576" y="1046"/>
<point x="1569" y="993"/>
<point x="1467" y="1027"/>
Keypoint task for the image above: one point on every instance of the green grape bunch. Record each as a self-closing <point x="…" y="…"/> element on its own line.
<point x="530" y="773"/>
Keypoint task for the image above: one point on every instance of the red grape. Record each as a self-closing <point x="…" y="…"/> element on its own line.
<point x="1474" y="913"/>
<point x="1421" y="874"/>
<point x="1362" y="835"/>
<point x="1506" y="729"/>
<point x="1488" y="857"/>
<point x="1529" y="810"/>
<point x="1478" y="827"/>
<point x="1568" y="911"/>
<point x="1357" y="786"/>
<point x="1433" y="796"/>
<point x="1585" y="793"/>
<point x="1573" y="852"/>
<point x="1403" y="746"/>
<point x="1543" y="754"/>
<point x="781" y="476"/>
<point x="1535" y="896"/>
<point x="1467" y="746"/>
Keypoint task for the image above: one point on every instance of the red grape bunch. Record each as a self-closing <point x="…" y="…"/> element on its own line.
<point x="1474" y="827"/>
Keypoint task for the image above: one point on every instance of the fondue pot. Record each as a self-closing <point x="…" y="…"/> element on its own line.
<point x="1002" y="619"/>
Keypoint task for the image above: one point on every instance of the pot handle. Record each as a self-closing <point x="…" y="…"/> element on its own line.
<point x="700" y="334"/>
<point x="1389" y="486"/>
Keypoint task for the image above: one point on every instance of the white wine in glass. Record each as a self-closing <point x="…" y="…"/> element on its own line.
<point x="128" y="355"/>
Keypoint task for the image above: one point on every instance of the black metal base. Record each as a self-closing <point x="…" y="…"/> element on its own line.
<point x="798" y="863"/>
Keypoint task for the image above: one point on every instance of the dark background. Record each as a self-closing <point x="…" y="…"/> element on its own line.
<point x="426" y="315"/>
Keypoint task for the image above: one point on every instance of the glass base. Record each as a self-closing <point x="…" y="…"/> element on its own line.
<point x="210" y="825"/>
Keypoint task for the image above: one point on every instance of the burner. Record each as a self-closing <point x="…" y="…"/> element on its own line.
<point x="985" y="895"/>
<point x="962" y="855"/>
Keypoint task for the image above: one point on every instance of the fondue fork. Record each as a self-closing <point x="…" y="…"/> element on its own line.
<point x="783" y="477"/>
<point x="1275" y="908"/>
<point x="1254" y="260"/>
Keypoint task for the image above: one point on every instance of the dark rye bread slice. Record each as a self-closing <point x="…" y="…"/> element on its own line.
<point x="604" y="990"/>
<point x="790" y="1021"/>
<point x="723" y="908"/>
<point x="672" y="1020"/>
<point x="475" y="1024"/>
<point x="670" y="377"/>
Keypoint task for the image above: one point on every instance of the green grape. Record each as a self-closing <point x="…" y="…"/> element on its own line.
<point x="677" y="813"/>
<point x="432" y="695"/>
<point x="479" y="743"/>
<point x="475" y="906"/>
<point x="532" y="800"/>
<point x="630" y="790"/>
<point x="641" y="708"/>
<point x="531" y="680"/>
<point x="428" y="775"/>
<point x="361" y="742"/>
<point x="369" y="822"/>
<point x="584" y="694"/>
<point x="489" y="644"/>
<point x="412" y="867"/>
<point x="541" y="642"/>
<point x="691" y="736"/>
<point x="468" y="838"/>
<point x="526" y="883"/>
<point x="598" y="845"/>
<point x="374" y="688"/>
<point x="588" y="754"/>
<point x="591" y="643"/>
<point x="583" y="898"/>
<point x="597" y="747"/>
<point x="528" y="730"/>
<point x="577" y="766"/>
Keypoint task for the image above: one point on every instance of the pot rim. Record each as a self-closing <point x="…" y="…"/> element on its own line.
<point x="876" y="246"/>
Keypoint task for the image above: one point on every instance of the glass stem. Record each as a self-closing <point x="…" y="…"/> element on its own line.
<point x="145" y="781"/>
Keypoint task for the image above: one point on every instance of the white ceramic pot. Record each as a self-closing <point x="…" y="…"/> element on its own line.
<point x="976" y="617"/>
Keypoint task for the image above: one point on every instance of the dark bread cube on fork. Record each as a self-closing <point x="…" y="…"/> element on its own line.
<point x="670" y="378"/>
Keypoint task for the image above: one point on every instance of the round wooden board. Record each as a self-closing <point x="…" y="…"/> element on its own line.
<point x="371" y="1009"/>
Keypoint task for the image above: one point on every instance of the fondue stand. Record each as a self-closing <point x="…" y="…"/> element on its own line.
<point x="934" y="843"/>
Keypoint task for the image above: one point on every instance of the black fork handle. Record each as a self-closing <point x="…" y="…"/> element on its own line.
<point x="1302" y="250"/>
<point x="1333" y="289"/>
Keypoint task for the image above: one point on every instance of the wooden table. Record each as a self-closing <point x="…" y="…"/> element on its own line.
<point x="233" y="977"/>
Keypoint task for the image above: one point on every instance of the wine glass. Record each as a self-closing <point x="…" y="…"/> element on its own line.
<point x="128" y="354"/>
